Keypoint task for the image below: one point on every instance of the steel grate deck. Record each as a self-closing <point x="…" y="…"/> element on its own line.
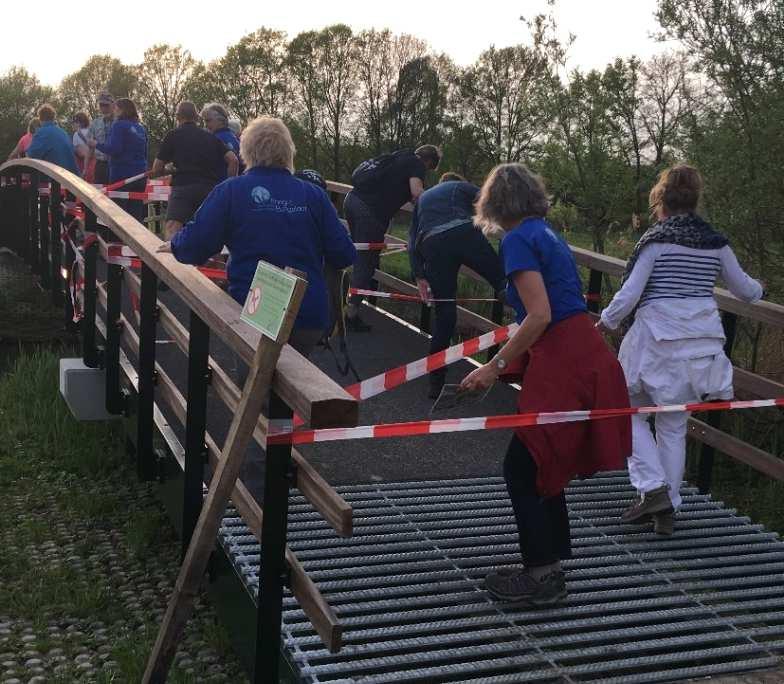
<point x="408" y="589"/>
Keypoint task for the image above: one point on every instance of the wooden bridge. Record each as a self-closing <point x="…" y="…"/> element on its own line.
<point x="377" y="578"/>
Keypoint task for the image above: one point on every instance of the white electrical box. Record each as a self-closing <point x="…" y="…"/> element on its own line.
<point x="84" y="390"/>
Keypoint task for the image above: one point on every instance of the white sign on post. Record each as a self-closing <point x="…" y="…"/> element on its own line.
<point x="268" y="299"/>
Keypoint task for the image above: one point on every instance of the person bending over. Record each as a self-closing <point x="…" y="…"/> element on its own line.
<point x="201" y="160"/>
<point x="381" y="187"/>
<point x="673" y="353"/>
<point x="566" y="365"/>
<point x="269" y="214"/>
<point x="442" y="238"/>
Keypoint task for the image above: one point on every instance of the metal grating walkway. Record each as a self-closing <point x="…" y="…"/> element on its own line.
<point x="407" y="588"/>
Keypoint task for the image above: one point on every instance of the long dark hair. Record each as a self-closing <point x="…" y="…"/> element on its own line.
<point x="127" y="109"/>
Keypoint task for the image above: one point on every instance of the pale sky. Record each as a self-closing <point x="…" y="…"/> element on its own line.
<point x="60" y="44"/>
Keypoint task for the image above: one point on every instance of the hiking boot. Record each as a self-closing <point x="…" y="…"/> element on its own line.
<point x="664" y="523"/>
<point x="516" y="585"/>
<point x="357" y="325"/>
<point x="643" y="507"/>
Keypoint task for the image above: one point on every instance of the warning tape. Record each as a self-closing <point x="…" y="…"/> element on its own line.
<point x="120" y="255"/>
<point x="412" y="298"/>
<point x="379" y="246"/>
<point x="120" y="183"/>
<point x="157" y="195"/>
<point x="517" y="420"/>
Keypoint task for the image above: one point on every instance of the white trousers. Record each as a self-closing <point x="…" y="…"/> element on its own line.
<point x="661" y="460"/>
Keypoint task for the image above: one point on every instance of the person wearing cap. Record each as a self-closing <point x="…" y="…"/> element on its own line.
<point x="200" y="161"/>
<point x="51" y="143"/>
<point x="216" y="121"/>
<point x="99" y="132"/>
<point x="381" y="187"/>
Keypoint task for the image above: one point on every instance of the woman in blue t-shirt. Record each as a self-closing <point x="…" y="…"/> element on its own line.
<point x="126" y="147"/>
<point x="565" y="365"/>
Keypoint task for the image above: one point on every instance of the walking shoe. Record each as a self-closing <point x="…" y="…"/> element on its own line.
<point x="642" y="508"/>
<point x="518" y="586"/>
<point x="356" y="324"/>
<point x="664" y="523"/>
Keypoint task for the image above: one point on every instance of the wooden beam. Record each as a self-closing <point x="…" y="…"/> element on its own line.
<point x="224" y="478"/>
<point x="738" y="449"/>
<point x="333" y="507"/>
<point x="306" y="592"/>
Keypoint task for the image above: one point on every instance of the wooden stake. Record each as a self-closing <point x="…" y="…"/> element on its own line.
<point x="256" y="390"/>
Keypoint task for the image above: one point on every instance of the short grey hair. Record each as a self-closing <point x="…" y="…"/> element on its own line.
<point x="511" y="193"/>
<point x="215" y="109"/>
<point x="267" y="142"/>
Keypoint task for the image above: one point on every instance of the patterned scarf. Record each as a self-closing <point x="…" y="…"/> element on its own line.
<point x="686" y="230"/>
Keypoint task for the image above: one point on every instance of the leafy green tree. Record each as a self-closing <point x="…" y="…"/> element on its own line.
<point x="79" y="90"/>
<point x="21" y="93"/>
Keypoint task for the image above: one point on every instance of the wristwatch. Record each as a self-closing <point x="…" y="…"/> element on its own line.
<point x="500" y="364"/>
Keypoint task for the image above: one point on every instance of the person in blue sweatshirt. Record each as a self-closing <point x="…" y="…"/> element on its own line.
<point x="51" y="143"/>
<point x="216" y="119"/>
<point x="126" y="148"/>
<point x="269" y="214"/>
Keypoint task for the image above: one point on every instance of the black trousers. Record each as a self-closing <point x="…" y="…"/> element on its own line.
<point x="364" y="226"/>
<point x="444" y="254"/>
<point x="135" y="208"/>
<point x="542" y="524"/>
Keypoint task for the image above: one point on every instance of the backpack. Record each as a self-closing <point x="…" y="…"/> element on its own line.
<point x="372" y="172"/>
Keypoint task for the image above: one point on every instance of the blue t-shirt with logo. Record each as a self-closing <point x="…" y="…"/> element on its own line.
<point x="269" y="214"/>
<point x="534" y="246"/>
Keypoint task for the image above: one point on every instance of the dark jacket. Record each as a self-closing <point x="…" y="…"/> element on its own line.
<point x="268" y="214"/>
<point x="443" y="207"/>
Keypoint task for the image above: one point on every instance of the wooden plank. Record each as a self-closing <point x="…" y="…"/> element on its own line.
<point x="222" y="485"/>
<point x="742" y="451"/>
<point x="757" y="386"/>
<point x="306" y="592"/>
<point x="311" y="393"/>
<point x="333" y="507"/>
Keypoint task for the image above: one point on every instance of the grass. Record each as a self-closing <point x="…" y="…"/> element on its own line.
<point x="84" y="544"/>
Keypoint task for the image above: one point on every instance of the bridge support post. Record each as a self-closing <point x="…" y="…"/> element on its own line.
<point x="34" y="224"/>
<point x="277" y="481"/>
<point x="56" y="214"/>
<point x="195" y="426"/>
<point x="145" y="457"/>
<point x="66" y="270"/>
<point x="115" y="403"/>
<point x="707" y="453"/>
<point x="90" y="354"/>
<point x="45" y="246"/>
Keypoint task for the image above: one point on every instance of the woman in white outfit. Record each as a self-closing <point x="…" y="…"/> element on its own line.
<point x="673" y="353"/>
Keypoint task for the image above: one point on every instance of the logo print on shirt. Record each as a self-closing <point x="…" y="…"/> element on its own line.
<point x="260" y="195"/>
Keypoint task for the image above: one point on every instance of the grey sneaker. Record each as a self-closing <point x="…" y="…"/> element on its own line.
<point x="518" y="586"/>
<point x="643" y="507"/>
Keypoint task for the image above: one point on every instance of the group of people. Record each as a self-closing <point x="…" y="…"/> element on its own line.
<point x="672" y="352"/>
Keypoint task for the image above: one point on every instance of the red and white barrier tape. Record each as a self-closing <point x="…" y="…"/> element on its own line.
<point x="412" y="298"/>
<point x="379" y="246"/>
<point x="120" y="183"/>
<point x="429" y="427"/>
<point x="158" y="195"/>
<point x="121" y="255"/>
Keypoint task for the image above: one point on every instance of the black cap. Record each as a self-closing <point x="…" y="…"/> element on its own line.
<point x="311" y="176"/>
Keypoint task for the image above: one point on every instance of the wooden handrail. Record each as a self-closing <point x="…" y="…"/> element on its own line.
<point x="762" y="312"/>
<point x="310" y="392"/>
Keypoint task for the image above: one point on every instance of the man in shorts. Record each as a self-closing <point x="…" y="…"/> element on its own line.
<point x="381" y="187"/>
<point x="200" y="162"/>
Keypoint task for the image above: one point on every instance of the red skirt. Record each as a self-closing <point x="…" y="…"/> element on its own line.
<point x="571" y="368"/>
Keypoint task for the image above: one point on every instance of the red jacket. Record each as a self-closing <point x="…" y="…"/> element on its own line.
<point x="571" y="368"/>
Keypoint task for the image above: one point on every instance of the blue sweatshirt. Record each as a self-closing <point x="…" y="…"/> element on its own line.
<point x="51" y="143"/>
<point x="268" y="214"/>
<point x="227" y="137"/>
<point x="126" y="147"/>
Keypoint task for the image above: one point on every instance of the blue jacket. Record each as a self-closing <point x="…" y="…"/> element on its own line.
<point x="51" y="143"/>
<point x="227" y="137"/>
<point x="442" y="207"/>
<point x="268" y="214"/>
<point x="126" y="147"/>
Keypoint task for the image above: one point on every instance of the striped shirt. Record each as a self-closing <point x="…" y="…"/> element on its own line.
<point x="682" y="275"/>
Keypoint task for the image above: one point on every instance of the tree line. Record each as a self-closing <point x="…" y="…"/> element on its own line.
<point x="599" y="137"/>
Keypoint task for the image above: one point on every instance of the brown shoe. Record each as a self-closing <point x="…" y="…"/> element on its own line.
<point x="642" y="508"/>
<point x="664" y="523"/>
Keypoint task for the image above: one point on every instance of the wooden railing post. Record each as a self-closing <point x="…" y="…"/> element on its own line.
<point x="33" y="222"/>
<point x="145" y="457"/>
<point x="707" y="452"/>
<point x="594" y="295"/>
<point x="55" y="242"/>
<point x="195" y="426"/>
<point x="90" y="354"/>
<point x="115" y="402"/>
<point x="45" y="268"/>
